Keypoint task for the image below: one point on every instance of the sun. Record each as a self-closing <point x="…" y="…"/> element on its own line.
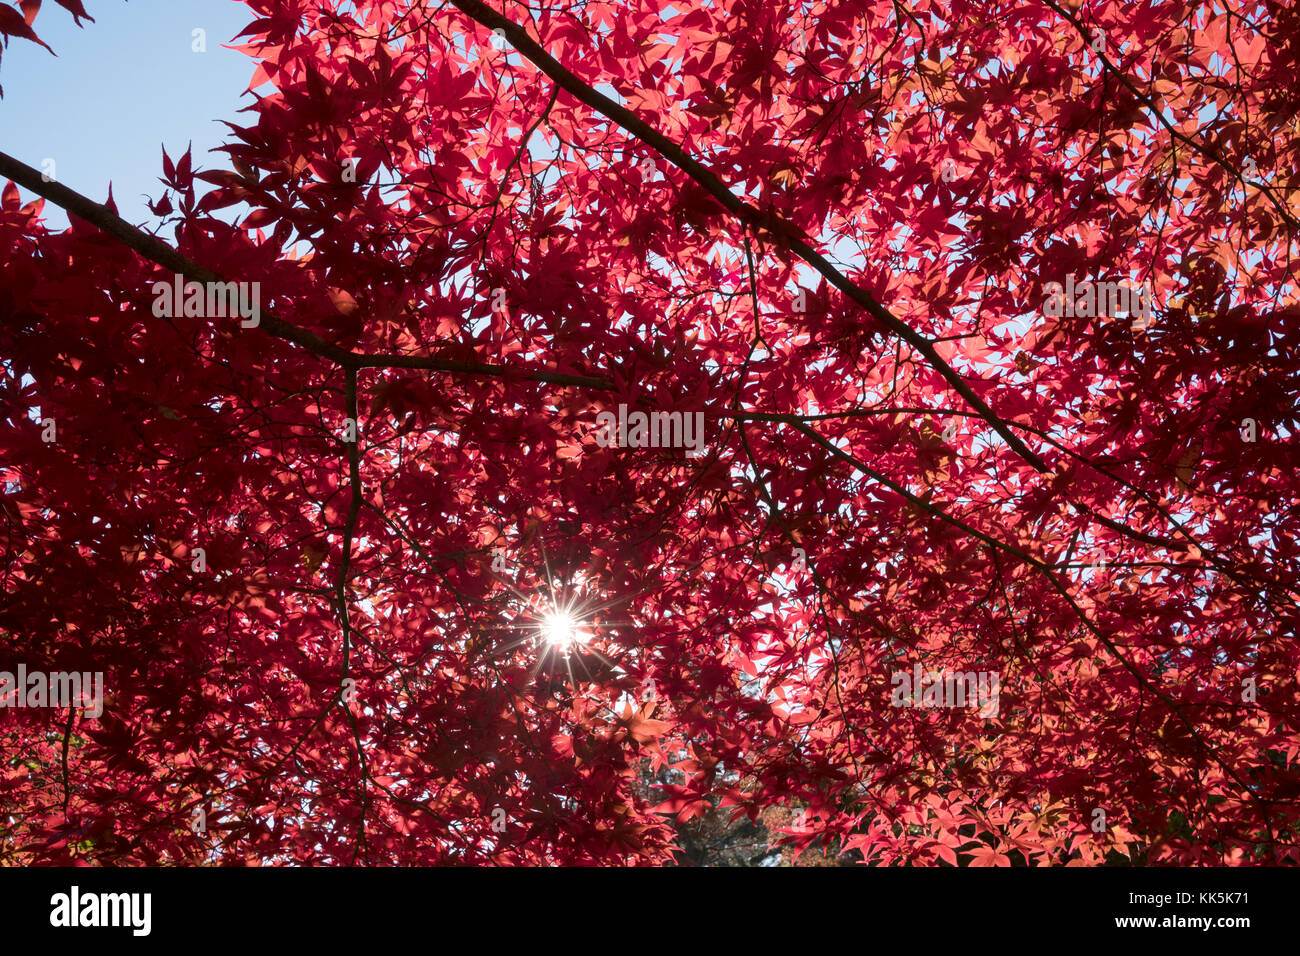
<point x="561" y="629"/>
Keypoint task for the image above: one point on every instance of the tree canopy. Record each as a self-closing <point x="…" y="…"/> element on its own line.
<point x="989" y="315"/>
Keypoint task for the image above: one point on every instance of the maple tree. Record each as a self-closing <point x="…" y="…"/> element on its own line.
<point x="316" y="555"/>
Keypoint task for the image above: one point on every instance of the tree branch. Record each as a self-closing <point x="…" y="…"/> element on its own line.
<point x="778" y="226"/>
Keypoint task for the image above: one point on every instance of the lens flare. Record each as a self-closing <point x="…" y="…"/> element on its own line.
<point x="560" y="629"/>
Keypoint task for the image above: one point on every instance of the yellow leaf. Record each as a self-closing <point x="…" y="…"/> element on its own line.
<point x="343" y="301"/>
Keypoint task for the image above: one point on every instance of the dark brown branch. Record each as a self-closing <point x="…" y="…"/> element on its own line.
<point x="152" y="248"/>
<point x="353" y="449"/>
<point x="161" y="254"/>
<point x="479" y="368"/>
<point x="1157" y="114"/>
<point x="779" y="227"/>
<point x="1047" y="571"/>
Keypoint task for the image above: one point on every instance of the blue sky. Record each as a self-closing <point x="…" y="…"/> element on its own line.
<point x="118" y="90"/>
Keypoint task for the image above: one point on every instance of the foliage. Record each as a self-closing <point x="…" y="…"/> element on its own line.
<point x="830" y="226"/>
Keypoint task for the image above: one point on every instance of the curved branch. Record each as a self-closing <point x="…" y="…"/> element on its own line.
<point x="786" y="231"/>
